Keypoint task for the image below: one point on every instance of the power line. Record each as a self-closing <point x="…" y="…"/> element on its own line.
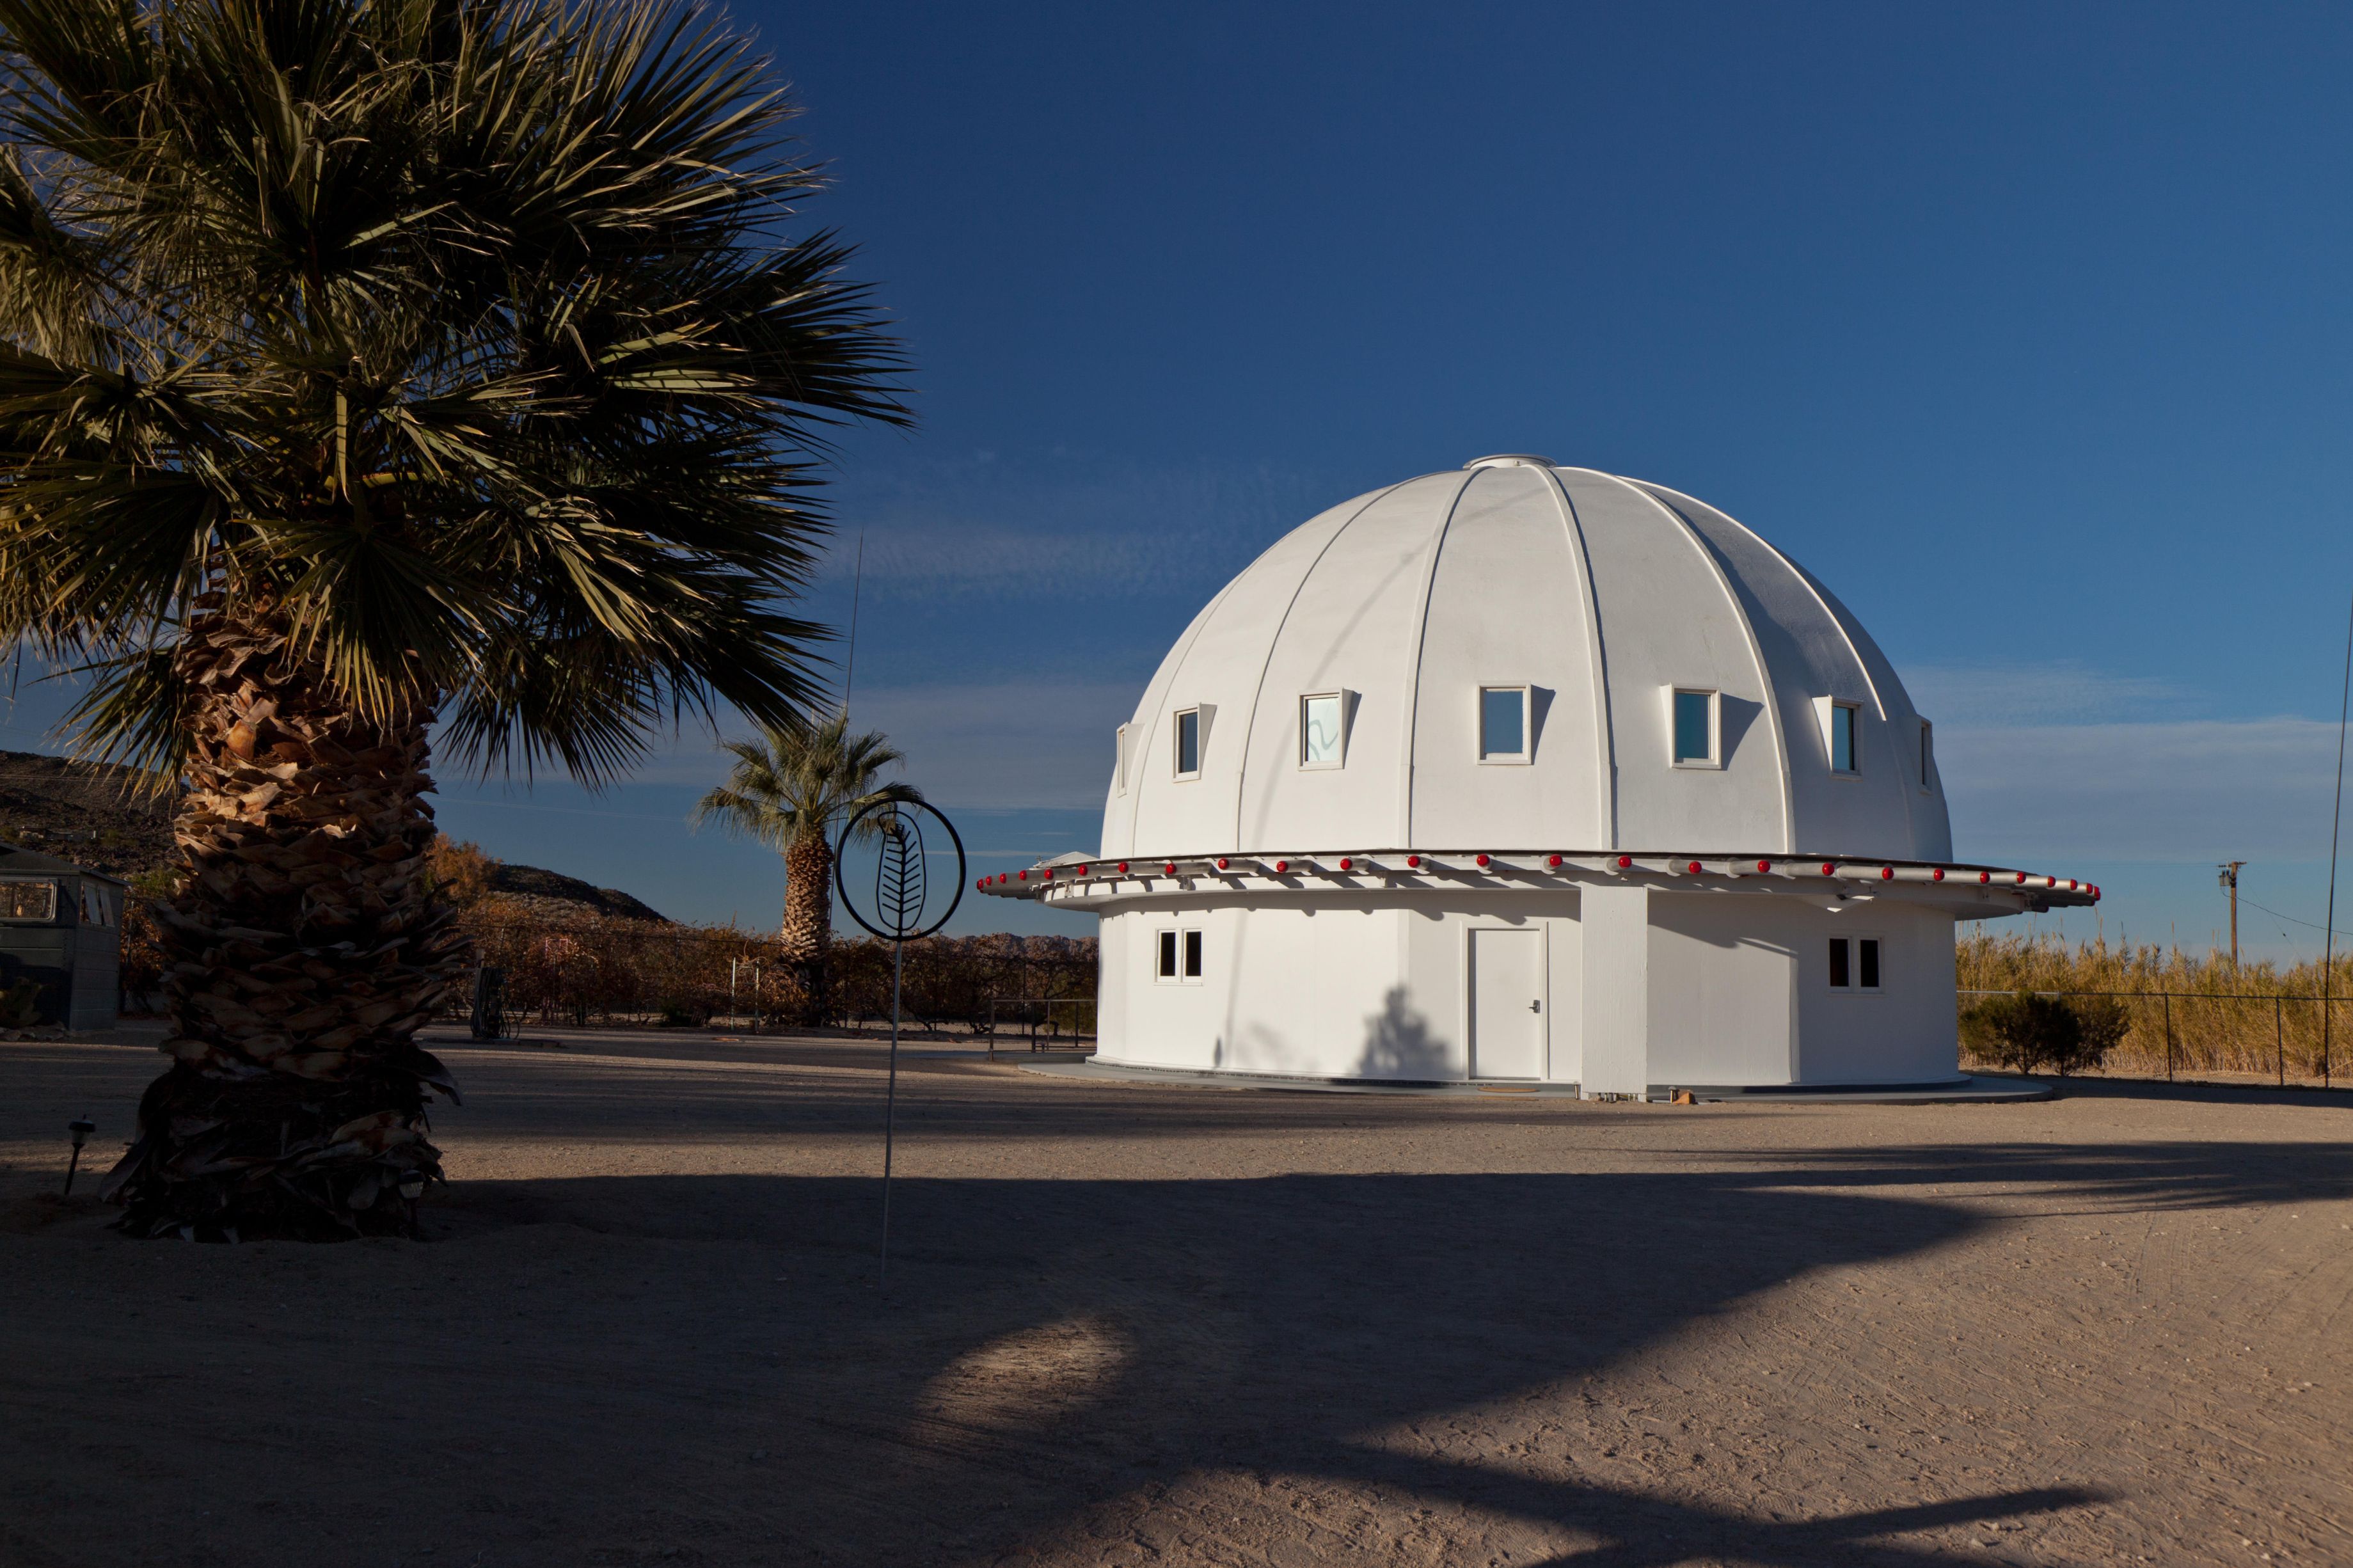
<point x="2309" y="925"/>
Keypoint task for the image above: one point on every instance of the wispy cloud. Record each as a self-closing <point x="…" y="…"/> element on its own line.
<point x="1008" y="746"/>
<point x="1065" y="526"/>
<point x="2192" y="790"/>
<point x="2033" y="694"/>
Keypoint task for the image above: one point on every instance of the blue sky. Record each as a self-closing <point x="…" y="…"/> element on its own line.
<point x="2025" y="328"/>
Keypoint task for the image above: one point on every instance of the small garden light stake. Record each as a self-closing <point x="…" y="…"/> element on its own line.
<point x="902" y="892"/>
<point x="82" y="1129"/>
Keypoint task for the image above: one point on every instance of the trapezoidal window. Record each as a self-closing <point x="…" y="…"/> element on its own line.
<point x="1322" y="740"/>
<point x="1504" y="724"/>
<point x="1119" y="760"/>
<point x="1695" y="724"/>
<point x="1187" y="743"/>
<point x="1927" y="755"/>
<point x="1842" y="722"/>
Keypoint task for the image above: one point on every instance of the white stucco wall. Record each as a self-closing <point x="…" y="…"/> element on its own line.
<point x="1644" y="988"/>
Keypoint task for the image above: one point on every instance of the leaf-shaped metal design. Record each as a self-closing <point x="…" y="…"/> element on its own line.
<point x="899" y="889"/>
<point x="900" y="904"/>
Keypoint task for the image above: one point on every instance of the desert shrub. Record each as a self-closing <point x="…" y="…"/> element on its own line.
<point x="2179" y="1009"/>
<point x="599" y="968"/>
<point x="2101" y="1024"/>
<point x="2022" y="1031"/>
<point x="459" y="872"/>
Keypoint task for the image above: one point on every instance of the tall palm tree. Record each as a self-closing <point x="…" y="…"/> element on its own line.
<point x="366" y="364"/>
<point x="788" y="789"/>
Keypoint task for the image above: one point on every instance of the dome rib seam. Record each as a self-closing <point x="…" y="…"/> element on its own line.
<point x="1257" y="690"/>
<point x="1436" y="547"/>
<point x="1765" y="686"/>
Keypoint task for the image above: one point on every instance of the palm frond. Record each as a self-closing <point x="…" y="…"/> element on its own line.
<point x="468" y="335"/>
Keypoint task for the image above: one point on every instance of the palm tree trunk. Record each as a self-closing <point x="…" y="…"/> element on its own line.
<point x="303" y="951"/>
<point x="807" y="929"/>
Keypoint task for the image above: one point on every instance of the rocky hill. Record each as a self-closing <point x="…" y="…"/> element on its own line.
<point x="553" y="894"/>
<point x="92" y="814"/>
<point x="88" y="813"/>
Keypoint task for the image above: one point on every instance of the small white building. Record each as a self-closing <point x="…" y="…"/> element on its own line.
<point x="1530" y="773"/>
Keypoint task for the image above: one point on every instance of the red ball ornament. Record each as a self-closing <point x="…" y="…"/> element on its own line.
<point x="1482" y="859"/>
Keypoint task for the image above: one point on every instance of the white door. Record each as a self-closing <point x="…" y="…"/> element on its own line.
<point x="1507" y="1004"/>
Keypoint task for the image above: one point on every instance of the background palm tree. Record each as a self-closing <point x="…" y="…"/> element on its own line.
<point x="788" y="789"/>
<point x="365" y="364"/>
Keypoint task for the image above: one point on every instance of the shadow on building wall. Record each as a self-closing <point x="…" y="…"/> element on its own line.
<point x="1398" y="1044"/>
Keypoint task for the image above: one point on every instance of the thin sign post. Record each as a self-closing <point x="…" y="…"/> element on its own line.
<point x="899" y="902"/>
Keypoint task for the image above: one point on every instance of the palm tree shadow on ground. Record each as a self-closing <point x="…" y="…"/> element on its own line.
<point x="1311" y="1327"/>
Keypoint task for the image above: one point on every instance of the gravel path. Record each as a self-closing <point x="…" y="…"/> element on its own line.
<point x="1170" y="1325"/>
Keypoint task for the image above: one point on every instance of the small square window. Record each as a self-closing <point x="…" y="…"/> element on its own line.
<point x="1179" y="957"/>
<point x="1188" y="743"/>
<point x="1502" y="723"/>
<point x="1319" y="736"/>
<point x="1854" y="963"/>
<point x="1842" y="719"/>
<point x="1696" y="728"/>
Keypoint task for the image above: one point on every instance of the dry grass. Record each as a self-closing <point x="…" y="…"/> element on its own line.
<point x="2191" y="1014"/>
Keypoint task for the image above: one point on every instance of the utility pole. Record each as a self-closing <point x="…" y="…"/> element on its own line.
<point x="2229" y="880"/>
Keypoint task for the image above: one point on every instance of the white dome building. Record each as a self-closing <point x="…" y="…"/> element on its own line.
<point x="1534" y="774"/>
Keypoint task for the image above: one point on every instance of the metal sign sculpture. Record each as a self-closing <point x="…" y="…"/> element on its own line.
<point x="900" y="904"/>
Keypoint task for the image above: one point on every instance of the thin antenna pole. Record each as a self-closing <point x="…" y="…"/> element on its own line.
<point x="857" y="584"/>
<point x="890" y="1108"/>
<point x="2336" y="820"/>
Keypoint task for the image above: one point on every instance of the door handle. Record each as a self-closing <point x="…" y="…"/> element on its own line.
<point x="1536" y="1006"/>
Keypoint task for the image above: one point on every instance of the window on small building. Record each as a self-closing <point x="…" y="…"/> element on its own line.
<point x="1319" y="731"/>
<point x="28" y="901"/>
<point x="1696" y="728"/>
<point x="97" y="909"/>
<point x="1188" y="743"/>
<point x="1119" y="760"/>
<point x="1927" y="755"/>
<point x="1502" y="723"/>
<point x="1854" y="963"/>
<point x="1180" y="957"/>
<point x="1842" y="721"/>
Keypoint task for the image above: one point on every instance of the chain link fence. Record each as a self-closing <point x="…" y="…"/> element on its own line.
<point x="2174" y="1033"/>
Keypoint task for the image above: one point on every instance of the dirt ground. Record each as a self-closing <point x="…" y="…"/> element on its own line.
<point x="1178" y="1325"/>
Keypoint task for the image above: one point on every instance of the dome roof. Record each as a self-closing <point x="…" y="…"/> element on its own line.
<point x="1579" y="601"/>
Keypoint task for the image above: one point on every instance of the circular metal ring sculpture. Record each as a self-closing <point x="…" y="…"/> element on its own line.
<point x="902" y="889"/>
<point x="903" y="885"/>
